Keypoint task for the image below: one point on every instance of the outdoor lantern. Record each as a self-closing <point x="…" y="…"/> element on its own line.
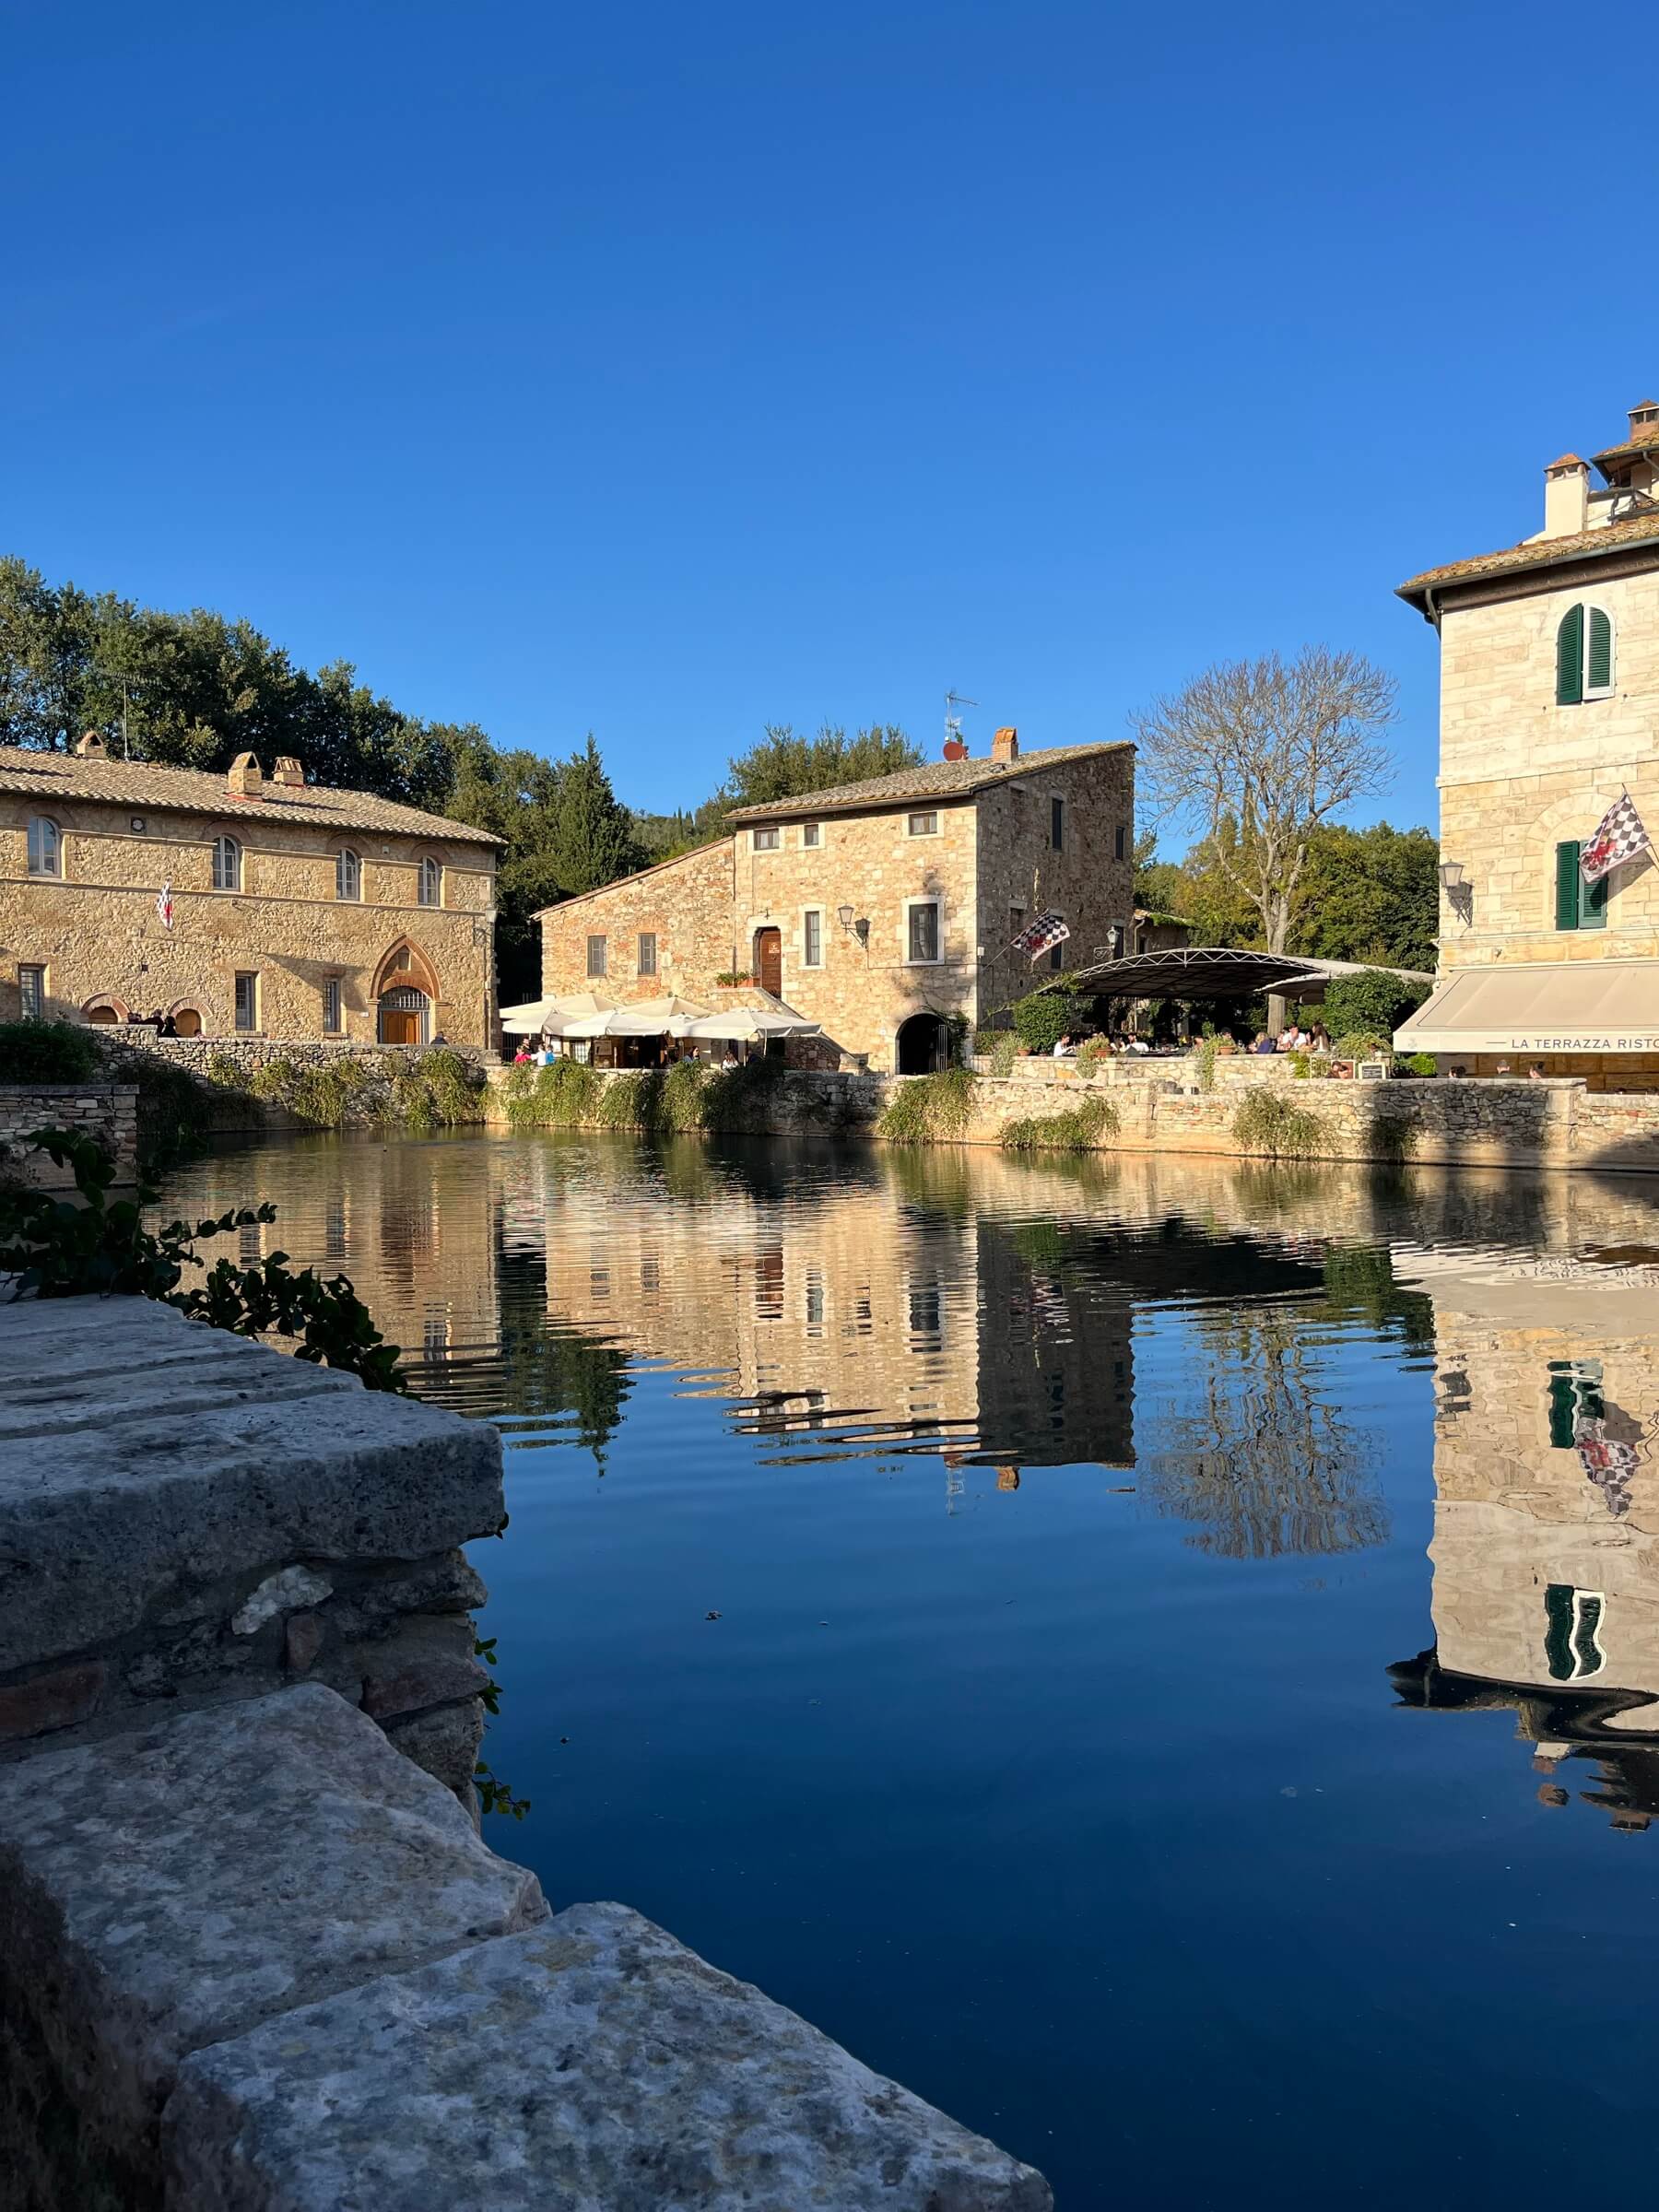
<point x="861" y="929"/>
<point x="1114" y="937"/>
<point x="1450" y="873"/>
<point x="843" y="914"/>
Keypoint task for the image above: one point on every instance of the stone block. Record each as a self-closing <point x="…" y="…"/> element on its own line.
<point x="59" y="1698"/>
<point x="591" y="2064"/>
<point x="144" y="1457"/>
<point x="428" y="1663"/>
<point x="445" y="1742"/>
<point x="174" y="1887"/>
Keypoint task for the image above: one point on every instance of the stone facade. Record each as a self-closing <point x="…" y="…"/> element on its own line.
<point x="86" y="942"/>
<point x="108" y="1111"/>
<point x="1521" y="773"/>
<point x="986" y="858"/>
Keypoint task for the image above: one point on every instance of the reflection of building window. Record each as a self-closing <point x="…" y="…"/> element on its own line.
<point x="434" y="1334"/>
<point x="1574" y="1396"/>
<point x="924" y="1310"/>
<point x="815" y="1299"/>
<point x="1572" y="1621"/>
<point x="333" y="1229"/>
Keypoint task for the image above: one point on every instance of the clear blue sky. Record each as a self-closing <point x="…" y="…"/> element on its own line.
<point x="667" y="370"/>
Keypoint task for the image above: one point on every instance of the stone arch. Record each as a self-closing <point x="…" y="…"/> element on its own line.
<point x="922" y="1046"/>
<point x="405" y="966"/>
<point x="103" y="1009"/>
<point x="184" y="1010"/>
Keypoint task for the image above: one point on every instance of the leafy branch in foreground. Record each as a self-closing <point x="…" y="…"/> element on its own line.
<point x="58" y="1247"/>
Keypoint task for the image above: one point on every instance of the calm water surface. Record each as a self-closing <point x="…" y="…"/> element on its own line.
<point x="1182" y="1690"/>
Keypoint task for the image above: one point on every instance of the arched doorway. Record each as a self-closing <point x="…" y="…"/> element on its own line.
<point x="405" y="1015"/>
<point x="104" y="1012"/>
<point x="921" y="1046"/>
<point x="187" y="1020"/>
<point x="768" y="961"/>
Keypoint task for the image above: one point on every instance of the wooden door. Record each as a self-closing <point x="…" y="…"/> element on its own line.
<point x="397" y="1027"/>
<point x="768" y="961"/>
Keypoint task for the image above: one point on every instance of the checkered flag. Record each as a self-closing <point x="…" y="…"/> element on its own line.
<point x="1041" y="936"/>
<point x="1621" y="837"/>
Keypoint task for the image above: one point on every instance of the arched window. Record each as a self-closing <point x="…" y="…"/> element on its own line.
<point x="227" y="865"/>
<point x="429" y="890"/>
<point x="1583" y="655"/>
<point x="348" y="873"/>
<point x="45" y="846"/>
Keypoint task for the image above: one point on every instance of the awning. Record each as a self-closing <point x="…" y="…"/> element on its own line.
<point x="1554" y="1006"/>
<point x="748" y="1025"/>
<point x="1201" y="971"/>
<point x="550" y="1017"/>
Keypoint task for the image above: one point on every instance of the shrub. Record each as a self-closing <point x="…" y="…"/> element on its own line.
<point x="630" y="1102"/>
<point x="1269" y="1124"/>
<point x="1004" y="1052"/>
<point x="1205" y="1053"/>
<point x="929" y="1109"/>
<point x="1420" y="1063"/>
<point x="1372" y="1003"/>
<point x="1080" y="1130"/>
<point x="1044" y="1018"/>
<point x="223" y="1071"/>
<point x="47" y="1051"/>
<point x="1091" y="1053"/>
<point x="562" y="1095"/>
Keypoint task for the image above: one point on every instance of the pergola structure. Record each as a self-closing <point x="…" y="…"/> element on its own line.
<point x="1193" y="971"/>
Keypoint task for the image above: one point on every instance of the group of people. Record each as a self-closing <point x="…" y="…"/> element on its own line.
<point x="1293" y="1040"/>
<point x="1120" y="1040"/>
<point x="163" y="1024"/>
<point x="671" y="1054"/>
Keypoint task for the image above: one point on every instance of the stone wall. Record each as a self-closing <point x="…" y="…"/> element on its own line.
<point x="686" y="904"/>
<point x="108" y="1111"/>
<point x="104" y="946"/>
<point x="228" y="1106"/>
<point x="1089" y="879"/>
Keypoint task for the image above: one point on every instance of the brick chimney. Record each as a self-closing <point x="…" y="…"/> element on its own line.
<point x="1566" y="497"/>
<point x="89" y="746"/>
<point x="1644" y="421"/>
<point x="1004" y="746"/>
<point x="244" y="782"/>
<point x="287" y="771"/>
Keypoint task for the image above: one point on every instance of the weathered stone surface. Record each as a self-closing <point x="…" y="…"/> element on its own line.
<point x="428" y="1663"/>
<point x="302" y="1641"/>
<point x="164" y="1457"/>
<point x="56" y="1700"/>
<point x="592" y="2064"/>
<point x="171" y="1887"/>
<point x="445" y="1742"/>
<point x="369" y="1599"/>
<point x="280" y="1593"/>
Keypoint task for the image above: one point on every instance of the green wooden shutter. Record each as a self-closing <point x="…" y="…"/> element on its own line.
<point x="1567" y="884"/>
<point x="1592" y="904"/>
<point x="1570" y="658"/>
<point x="1600" y="669"/>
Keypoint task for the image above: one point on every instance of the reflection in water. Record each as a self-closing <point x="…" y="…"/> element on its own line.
<point x="955" y="1592"/>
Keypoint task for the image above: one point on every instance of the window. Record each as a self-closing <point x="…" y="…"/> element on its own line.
<point x="429" y="888"/>
<point x="596" y="955"/>
<point x="1572" y="1621"/>
<point x="331" y="1006"/>
<point x="227" y="865"/>
<point x="247" y="997"/>
<point x="45" y="851"/>
<point x="1015" y="921"/>
<point x="812" y="937"/>
<point x="1057" y="954"/>
<point x="1579" y="905"/>
<point x="922" y="930"/>
<point x="648" y="965"/>
<point x="31" y="992"/>
<point x="1583" y="655"/>
<point x="811" y="833"/>
<point x="1120" y="849"/>
<point x="1057" y="824"/>
<point x="923" y="824"/>
<point x="348" y="874"/>
<point x="766" y="841"/>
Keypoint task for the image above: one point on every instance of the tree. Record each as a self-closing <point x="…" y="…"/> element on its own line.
<point x="783" y="766"/>
<point x="1262" y="754"/>
<point x="1370" y="894"/>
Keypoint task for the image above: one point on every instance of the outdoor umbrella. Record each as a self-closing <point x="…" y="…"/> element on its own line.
<point x="750" y="1025"/>
<point x="647" y="1018"/>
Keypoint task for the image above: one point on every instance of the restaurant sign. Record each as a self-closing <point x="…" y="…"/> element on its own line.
<point x="1648" y="1042"/>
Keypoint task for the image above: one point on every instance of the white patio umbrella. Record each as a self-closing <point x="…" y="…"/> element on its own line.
<point x="750" y="1025"/>
<point x="550" y="1016"/>
<point x="646" y="1018"/>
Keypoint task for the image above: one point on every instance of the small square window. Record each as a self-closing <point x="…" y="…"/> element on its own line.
<point x="331" y="1006"/>
<point x="648" y="960"/>
<point x="925" y="824"/>
<point x="811" y="833"/>
<point x="812" y="938"/>
<point x="31" y="992"/>
<point x="596" y="955"/>
<point x="247" y="1000"/>
<point x="921" y="932"/>
<point x="766" y="841"/>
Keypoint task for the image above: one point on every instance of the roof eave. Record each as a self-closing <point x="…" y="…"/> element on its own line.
<point x="1417" y="590"/>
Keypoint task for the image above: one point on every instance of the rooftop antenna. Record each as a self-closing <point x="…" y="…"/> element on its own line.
<point x="956" y="746"/>
<point x="120" y="676"/>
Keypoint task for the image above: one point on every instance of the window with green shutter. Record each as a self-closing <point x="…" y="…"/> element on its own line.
<point x="1579" y="905"/>
<point x="1598" y="651"/>
<point x="1583" y="655"/>
<point x="1570" y="663"/>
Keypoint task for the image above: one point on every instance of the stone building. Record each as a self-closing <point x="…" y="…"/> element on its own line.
<point x="885" y="911"/>
<point x="240" y="903"/>
<point x="1550" y="712"/>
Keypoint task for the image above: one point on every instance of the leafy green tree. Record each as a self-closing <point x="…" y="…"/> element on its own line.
<point x="784" y="765"/>
<point x="1370" y="894"/>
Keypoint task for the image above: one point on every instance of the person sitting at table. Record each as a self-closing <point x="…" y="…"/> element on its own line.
<point x="1263" y="1043"/>
<point x="1065" y="1049"/>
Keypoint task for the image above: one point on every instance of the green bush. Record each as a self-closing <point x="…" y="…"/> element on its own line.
<point x="1269" y="1124"/>
<point x="1079" y="1130"/>
<point x="563" y="1095"/>
<point x="1420" y="1063"/>
<point x="1045" y="1016"/>
<point x="929" y="1109"/>
<point x="1373" y="1003"/>
<point x="47" y="1051"/>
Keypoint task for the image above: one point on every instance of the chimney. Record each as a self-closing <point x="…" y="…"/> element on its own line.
<point x="288" y="771"/>
<point x="244" y="782"/>
<point x="1644" y="421"/>
<point x="1566" y="497"/>
<point x="1004" y="746"/>
<point x="89" y="746"/>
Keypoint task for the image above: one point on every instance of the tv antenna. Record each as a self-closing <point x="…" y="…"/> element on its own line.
<point x="955" y="745"/>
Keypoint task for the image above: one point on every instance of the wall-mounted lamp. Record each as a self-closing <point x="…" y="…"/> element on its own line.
<point x="861" y="929"/>
<point x="1450" y="873"/>
<point x="843" y="914"/>
<point x="1115" y="938"/>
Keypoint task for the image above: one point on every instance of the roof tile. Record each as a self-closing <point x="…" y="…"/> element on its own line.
<point x="940" y="780"/>
<point x="1536" y="553"/>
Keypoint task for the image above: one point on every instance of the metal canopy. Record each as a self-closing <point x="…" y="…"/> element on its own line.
<point x="1189" y="971"/>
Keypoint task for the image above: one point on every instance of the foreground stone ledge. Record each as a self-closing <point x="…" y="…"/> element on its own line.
<point x="176" y="1885"/>
<point x="592" y="2064"/>
<point x="145" y="1459"/>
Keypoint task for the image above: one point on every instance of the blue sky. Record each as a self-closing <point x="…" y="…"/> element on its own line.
<point x="666" y="371"/>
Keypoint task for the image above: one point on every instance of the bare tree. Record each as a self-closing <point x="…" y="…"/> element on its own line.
<point x="1261" y="753"/>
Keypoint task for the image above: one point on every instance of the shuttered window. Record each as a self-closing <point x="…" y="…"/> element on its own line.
<point x="1579" y="905"/>
<point x="646" y="963"/>
<point x="1583" y="655"/>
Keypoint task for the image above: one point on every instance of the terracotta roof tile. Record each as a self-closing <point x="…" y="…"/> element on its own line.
<point x="1536" y="553"/>
<point x="940" y="780"/>
<point x="29" y="774"/>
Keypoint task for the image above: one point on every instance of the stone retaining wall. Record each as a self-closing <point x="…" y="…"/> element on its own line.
<point x="106" y="1111"/>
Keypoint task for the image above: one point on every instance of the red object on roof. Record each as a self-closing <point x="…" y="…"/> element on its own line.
<point x="956" y="749"/>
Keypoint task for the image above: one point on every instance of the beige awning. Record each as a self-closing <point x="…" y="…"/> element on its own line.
<point x="1559" y="1006"/>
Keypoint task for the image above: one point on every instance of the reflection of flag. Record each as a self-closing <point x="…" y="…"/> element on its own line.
<point x="1041" y="936"/>
<point x="1619" y="837"/>
<point x="1608" y="1463"/>
<point x="164" y="905"/>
